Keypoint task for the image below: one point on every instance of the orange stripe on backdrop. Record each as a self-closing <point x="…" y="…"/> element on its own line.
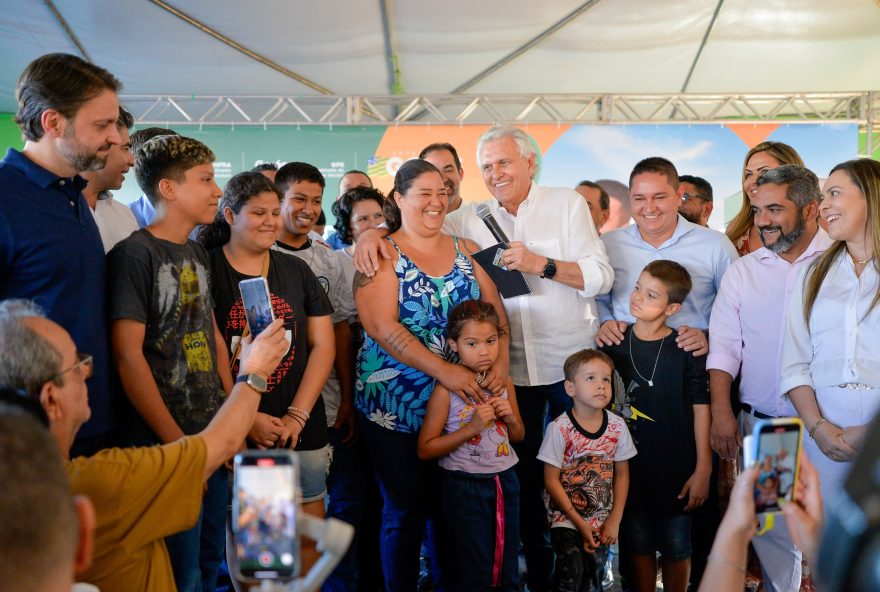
<point x="402" y="143"/>
<point x="752" y="134"/>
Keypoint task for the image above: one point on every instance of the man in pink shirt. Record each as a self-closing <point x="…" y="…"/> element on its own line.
<point x="747" y="325"/>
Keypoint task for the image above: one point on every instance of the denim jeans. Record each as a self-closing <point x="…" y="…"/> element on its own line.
<point x="469" y="514"/>
<point x="576" y="570"/>
<point x="534" y="527"/>
<point x="345" y="496"/>
<point x="196" y="553"/>
<point x="646" y="533"/>
<point x="410" y="500"/>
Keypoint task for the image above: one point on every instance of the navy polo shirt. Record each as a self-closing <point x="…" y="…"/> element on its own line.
<point x="51" y="253"/>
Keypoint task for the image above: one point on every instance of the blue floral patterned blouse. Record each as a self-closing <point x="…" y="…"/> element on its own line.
<point x="391" y="393"/>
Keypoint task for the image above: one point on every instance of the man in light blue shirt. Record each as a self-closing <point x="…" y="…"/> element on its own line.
<point x="660" y="232"/>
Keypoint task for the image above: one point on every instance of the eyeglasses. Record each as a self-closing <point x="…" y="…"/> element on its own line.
<point x="686" y="196"/>
<point x="84" y="365"/>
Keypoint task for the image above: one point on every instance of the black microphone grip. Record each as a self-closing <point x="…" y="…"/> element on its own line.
<point x="482" y="211"/>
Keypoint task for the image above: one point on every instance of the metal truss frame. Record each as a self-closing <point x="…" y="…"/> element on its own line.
<point x="862" y="108"/>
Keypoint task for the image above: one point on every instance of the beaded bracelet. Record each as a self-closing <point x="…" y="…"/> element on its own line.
<point x="816" y="425"/>
<point x="294" y="409"/>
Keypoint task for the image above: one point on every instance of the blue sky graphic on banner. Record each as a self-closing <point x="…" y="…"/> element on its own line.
<point x="713" y="152"/>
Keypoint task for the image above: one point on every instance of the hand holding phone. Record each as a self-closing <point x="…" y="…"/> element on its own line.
<point x="775" y="446"/>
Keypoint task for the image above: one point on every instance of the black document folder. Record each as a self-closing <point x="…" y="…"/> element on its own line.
<point x="510" y="283"/>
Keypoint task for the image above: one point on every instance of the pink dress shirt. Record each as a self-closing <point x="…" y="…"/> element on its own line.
<point x="748" y="322"/>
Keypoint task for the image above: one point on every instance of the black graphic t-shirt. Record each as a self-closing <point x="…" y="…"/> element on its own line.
<point x="660" y="418"/>
<point x="165" y="286"/>
<point x="296" y="295"/>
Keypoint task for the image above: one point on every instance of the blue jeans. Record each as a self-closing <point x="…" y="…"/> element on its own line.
<point x="410" y="502"/>
<point x="534" y="528"/>
<point x="469" y="515"/>
<point x="647" y="532"/>
<point x="196" y="553"/>
<point x="345" y="496"/>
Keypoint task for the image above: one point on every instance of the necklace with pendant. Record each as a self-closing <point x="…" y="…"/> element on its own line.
<point x="650" y="381"/>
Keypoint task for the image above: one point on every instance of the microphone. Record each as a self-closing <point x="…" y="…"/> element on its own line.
<point x="483" y="213"/>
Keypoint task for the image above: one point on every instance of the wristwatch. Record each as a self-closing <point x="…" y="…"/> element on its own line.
<point x="549" y="269"/>
<point x="255" y="381"/>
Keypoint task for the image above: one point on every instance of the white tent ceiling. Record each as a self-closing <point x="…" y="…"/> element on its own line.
<point x="606" y="46"/>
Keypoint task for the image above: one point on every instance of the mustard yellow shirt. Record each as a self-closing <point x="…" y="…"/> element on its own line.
<point x="141" y="495"/>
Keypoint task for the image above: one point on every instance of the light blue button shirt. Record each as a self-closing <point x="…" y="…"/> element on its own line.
<point x="704" y="252"/>
<point x="144" y="212"/>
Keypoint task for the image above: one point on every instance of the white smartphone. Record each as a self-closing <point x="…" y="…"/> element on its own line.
<point x="265" y="510"/>
<point x="775" y="445"/>
<point x="257" y="304"/>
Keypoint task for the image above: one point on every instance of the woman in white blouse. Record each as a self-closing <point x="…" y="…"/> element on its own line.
<point x="831" y="353"/>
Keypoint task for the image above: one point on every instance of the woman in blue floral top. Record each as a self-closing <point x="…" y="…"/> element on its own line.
<point x="404" y="309"/>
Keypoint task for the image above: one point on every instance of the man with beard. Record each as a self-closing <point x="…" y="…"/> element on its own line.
<point x="747" y="327"/>
<point x="445" y="158"/>
<point x="696" y="203"/>
<point x="50" y="248"/>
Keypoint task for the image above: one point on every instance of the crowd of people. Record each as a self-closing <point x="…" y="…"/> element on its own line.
<point x="443" y="422"/>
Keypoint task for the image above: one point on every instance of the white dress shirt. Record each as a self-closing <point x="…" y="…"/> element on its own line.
<point x="555" y="320"/>
<point x="748" y="322"/>
<point x="115" y="221"/>
<point x="841" y="345"/>
<point x="705" y="253"/>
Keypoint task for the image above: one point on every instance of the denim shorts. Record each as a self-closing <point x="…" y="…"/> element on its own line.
<point x="647" y="533"/>
<point x="313" y="467"/>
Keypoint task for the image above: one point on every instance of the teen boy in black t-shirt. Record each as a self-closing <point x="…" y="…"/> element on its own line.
<point x="665" y="401"/>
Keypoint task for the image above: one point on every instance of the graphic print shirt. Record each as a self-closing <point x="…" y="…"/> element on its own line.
<point x="586" y="462"/>
<point x="296" y="295"/>
<point x="166" y="286"/>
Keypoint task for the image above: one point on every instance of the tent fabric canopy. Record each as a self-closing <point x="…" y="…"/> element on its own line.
<point x="608" y="46"/>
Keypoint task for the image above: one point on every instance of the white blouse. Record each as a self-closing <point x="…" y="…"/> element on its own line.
<point x="842" y="342"/>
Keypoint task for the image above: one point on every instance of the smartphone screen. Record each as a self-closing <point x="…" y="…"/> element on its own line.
<point x="264" y="514"/>
<point x="257" y="304"/>
<point x="777" y="447"/>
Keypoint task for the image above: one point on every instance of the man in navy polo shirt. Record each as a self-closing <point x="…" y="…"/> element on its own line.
<point x="50" y="247"/>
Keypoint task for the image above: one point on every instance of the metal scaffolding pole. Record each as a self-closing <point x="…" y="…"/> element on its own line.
<point x="521" y="109"/>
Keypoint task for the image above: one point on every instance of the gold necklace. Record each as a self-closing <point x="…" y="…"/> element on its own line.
<point x="858" y="262"/>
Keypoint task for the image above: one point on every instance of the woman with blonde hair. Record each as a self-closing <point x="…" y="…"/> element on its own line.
<point x="831" y="353"/>
<point x="765" y="156"/>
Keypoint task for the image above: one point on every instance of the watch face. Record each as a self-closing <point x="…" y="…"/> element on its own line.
<point x="258" y="382"/>
<point x="254" y="381"/>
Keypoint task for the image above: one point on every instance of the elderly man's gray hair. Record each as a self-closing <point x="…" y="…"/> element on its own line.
<point x="27" y="361"/>
<point x="498" y="132"/>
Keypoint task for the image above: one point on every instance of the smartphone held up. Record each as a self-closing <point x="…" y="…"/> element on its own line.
<point x="774" y="446"/>
<point x="257" y="304"/>
<point x="265" y="510"/>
